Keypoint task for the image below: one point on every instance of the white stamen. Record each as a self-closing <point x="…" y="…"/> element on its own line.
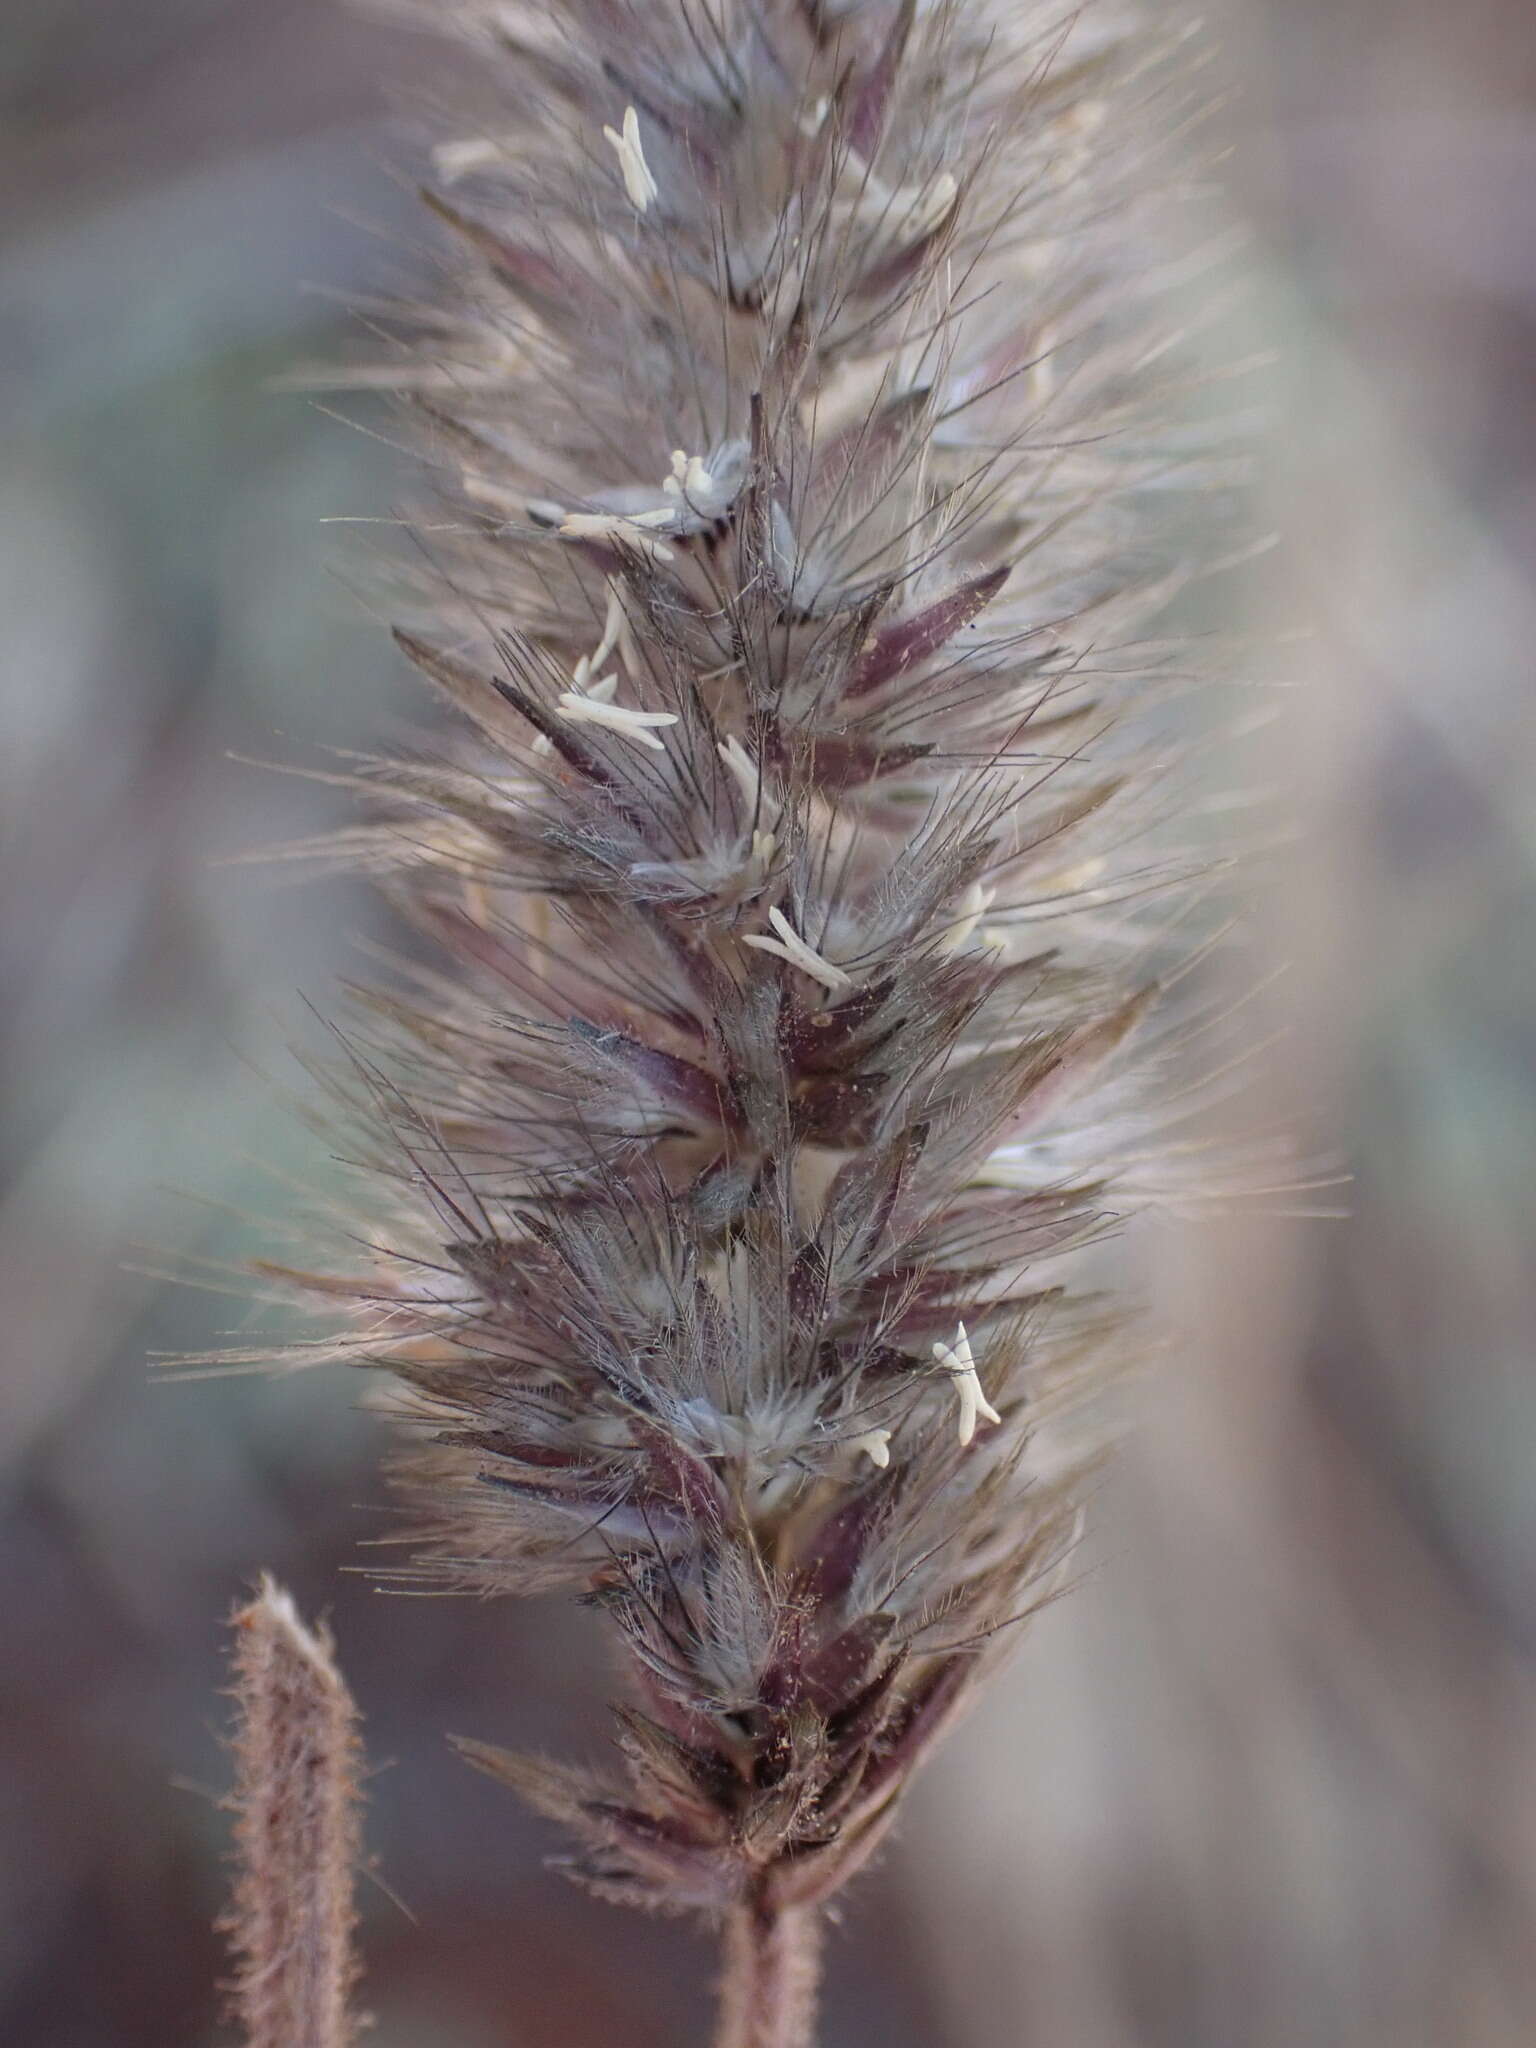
<point x="633" y="168"/>
<point x="974" y="903"/>
<point x="629" y="725"/>
<point x="1040" y="380"/>
<point x="613" y="626"/>
<point x="814" y="118"/>
<point x="475" y="488"/>
<point x="1075" y="881"/>
<point x="1086" y="118"/>
<point x="592" y="525"/>
<point x="910" y="211"/>
<point x="455" y="160"/>
<point x="602" y="688"/>
<point x="875" y="1444"/>
<point x="600" y="692"/>
<point x="626" y="526"/>
<point x="690" y="478"/>
<point x="791" y="947"/>
<point x="956" y="1360"/>
<point x="920" y="208"/>
<point x="1083" y="876"/>
<point x="749" y="777"/>
<point x="746" y="771"/>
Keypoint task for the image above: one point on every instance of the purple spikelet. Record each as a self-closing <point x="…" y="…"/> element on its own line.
<point x="777" y="1059"/>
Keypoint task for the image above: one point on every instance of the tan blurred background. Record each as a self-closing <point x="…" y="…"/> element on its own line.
<point x="1268" y="1780"/>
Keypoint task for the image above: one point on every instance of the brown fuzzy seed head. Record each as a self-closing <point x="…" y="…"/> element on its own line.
<point x="743" y="1149"/>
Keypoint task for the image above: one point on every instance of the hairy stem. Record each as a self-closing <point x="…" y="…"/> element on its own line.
<point x="296" y="1832"/>
<point x="770" y="1974"/>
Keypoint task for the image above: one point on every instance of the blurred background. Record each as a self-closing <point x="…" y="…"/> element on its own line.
<point x="1268" y="1780"/>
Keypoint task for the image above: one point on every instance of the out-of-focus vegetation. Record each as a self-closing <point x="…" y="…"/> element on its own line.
<point x="1269" y="1777"/>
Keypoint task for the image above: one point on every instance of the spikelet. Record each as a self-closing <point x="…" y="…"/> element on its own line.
<point x="776" y="1063"/>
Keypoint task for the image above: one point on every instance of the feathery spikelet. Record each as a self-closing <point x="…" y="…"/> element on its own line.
<point x="738" y="1152"/>
<point x="296" y="1803"/>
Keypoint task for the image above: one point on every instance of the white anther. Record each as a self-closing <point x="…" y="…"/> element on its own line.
<point x="455" y="160"/>
<point x="600" y="692"/>
<point x="630" y="725"/>
<point x="875" y="1444"/>
<point x="633" y="168"/>
<point x="791" y="947"/>
<point x="690" y="478"/>
<point x="910" y="211"/>
<point x="973" y="904"/>
<point x="625" y="526"/>
<point x="1040" y="378"/>
<point x="1077" y="881"/>
<point x="741" y="765"/>
<point x="956" y="1360"/>
<point x="764" y="845"/>
<point x="920" y="208"/>
<point x="613" y="626"/>
<point x="594" y="525"/>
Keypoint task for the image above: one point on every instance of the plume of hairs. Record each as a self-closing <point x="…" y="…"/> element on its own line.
<point x="741" y="1146"/>
<point x="297" y="1831"/>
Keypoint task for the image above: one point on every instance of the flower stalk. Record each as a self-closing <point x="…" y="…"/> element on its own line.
<point x="771" y="1965"/>
<point x="297" y="1830"/>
